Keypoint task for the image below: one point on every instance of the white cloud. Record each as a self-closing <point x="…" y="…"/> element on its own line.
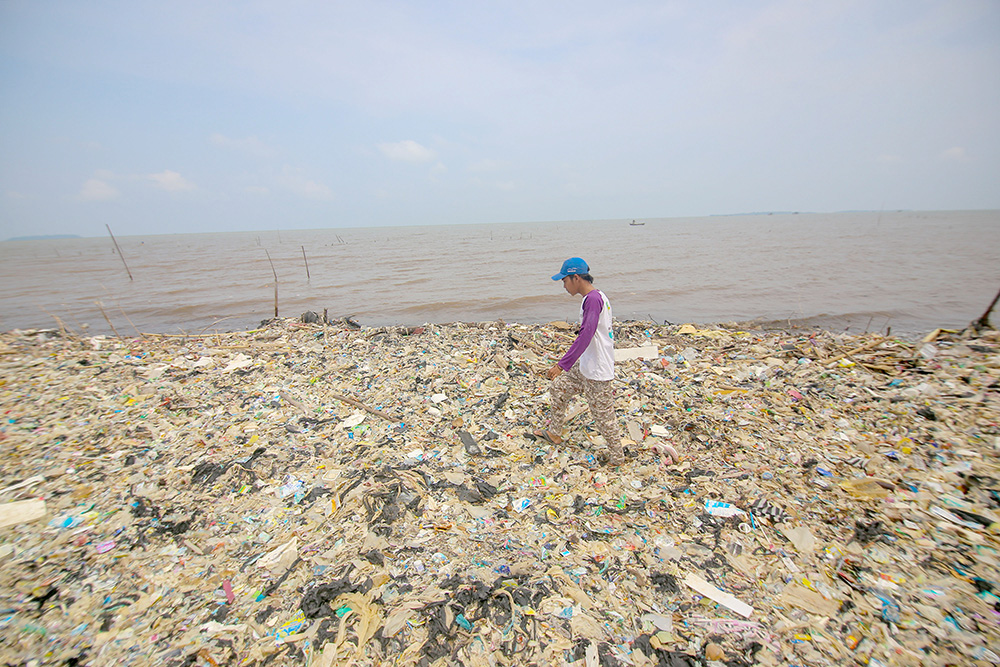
<point x="250" y="145"/>
<point x="956" y="153"/>
<point x="13" y="194"/>
<point x="887" y="158"/>
<point x="171" y="181"/>
<point x="485" y="165"/>
<point x="506" y="186"/>
<point x="314" y="190"/>
<point x="257" y="190"/>
<point x="406" y="151"/>
<point x="295" y="181"/>
<point x="97" y="190"/>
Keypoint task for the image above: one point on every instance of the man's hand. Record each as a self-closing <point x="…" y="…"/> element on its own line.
<point x="554" y="372"/>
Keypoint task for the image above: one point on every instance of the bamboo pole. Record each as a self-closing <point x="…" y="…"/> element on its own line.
<point x="306" y="261"/>
<point x="129" y="320"/>
<point x="275" y="282"/>
<point x="119" y="251"/>
<point x="107" y="319"/>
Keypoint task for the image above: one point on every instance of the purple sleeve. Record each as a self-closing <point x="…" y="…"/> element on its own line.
<point x="592" y="305"/>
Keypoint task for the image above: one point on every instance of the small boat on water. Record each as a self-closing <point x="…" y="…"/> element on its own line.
<point x="636" y="224"/>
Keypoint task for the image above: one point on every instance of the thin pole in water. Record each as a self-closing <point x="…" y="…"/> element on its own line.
<point x="275" y="281"/>
<point x="119" y="251"/>
<point x="306" y="261"/>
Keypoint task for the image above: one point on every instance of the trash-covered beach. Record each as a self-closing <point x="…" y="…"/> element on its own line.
<point x="310" y="494"/>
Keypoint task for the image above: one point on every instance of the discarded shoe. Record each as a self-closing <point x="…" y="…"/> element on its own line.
<point x="542" y="434"/>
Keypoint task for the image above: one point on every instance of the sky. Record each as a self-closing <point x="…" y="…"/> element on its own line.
<point x="177" y="117"/>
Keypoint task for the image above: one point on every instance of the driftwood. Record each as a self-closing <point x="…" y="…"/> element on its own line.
<point x="211" y="335"/>
<point x="984" y="321"/>
<point x="863" y="348"/>
<point x="359" y="404"/>
<point x="522" y="342"/>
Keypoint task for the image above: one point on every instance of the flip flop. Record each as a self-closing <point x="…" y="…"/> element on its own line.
<point x="542" y="434"/>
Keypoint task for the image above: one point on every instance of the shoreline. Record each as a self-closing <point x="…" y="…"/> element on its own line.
<point x="299" y="490"/>
<point x="789" y="326"/>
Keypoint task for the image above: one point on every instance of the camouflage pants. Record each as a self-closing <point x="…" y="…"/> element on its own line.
<point x="600" y="400"/>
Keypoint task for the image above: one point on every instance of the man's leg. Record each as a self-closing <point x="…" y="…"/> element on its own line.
<point x="601" y="399"/>
<point x="562" y="390"/>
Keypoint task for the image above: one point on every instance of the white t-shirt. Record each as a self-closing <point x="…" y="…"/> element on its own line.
<point x="594" y="347"/>
<point x="598" y="361"/>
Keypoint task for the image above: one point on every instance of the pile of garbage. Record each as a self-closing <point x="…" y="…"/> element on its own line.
<point x="322" y="494"/>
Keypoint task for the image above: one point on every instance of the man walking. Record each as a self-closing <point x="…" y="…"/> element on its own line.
<point x="588" y="367"/>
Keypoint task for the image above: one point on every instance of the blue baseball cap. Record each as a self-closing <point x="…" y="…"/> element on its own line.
<point x="571" y="267"/>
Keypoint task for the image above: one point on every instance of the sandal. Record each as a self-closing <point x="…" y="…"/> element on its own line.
<point x="542" y="434"/>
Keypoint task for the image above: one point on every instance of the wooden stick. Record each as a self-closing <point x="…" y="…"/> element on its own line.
<point x="204" y="335"/>
<point x="221" y="319"/>
<point x="119" y="251"/>
<point x="867" y="346"/>
<point x="538" y="349"/>
<point x="984" y="321"/>
<point x="294" y="402"/>
<point x="107" y="319"/>
<point x="62" y="328"/>
<point x="129" y="321"/>
<point x="359" y="404"/>
<point x="275" y="282"/>
<point x="306" y="261"/>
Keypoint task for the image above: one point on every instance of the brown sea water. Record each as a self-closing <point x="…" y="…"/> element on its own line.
<point x="911" y="271"/>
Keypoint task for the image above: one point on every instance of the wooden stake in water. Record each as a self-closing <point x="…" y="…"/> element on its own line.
<point x="119" y="251"/>
<point x="107" y="319"/>
<point x="306" y="261"/>
<point x="275" y="282"/>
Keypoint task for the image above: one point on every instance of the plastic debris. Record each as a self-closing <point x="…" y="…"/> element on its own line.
<point x="716" y="508"/>
<point x="21" y="511"/>
<point x="324" y="494"/>
<point x="723" y="598"/>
